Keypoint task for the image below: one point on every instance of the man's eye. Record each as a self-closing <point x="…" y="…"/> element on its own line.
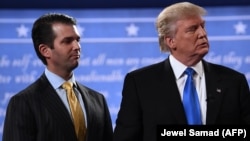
<point x="191" y="29"/>
<point x="67" y="41"/>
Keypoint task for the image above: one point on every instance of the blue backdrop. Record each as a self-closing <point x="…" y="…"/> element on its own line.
<point x="114" y="42"/>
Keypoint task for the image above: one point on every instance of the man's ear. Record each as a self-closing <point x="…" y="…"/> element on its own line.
<point x="170" y="42"/>
<point x="44" y="50"/>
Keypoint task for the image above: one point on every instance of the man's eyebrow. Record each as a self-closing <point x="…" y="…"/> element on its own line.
<point x="69" y="37"/>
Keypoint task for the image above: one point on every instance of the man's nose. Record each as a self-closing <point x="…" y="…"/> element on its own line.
<point x="202" y="32"/>
<point x="77" y="45"/>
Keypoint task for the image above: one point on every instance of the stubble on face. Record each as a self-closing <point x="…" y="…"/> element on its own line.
<point x="66" y="53"/>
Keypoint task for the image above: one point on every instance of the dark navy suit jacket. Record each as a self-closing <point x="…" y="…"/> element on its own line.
<point x="38" y="114"/>
<point x="151" y="98"/>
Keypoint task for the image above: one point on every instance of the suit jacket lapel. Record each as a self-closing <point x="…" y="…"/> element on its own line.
<point x="55" y="106"/>
<point x="214" y="93"/>
<point x="173" y="94"/>
<point x="87" y="103"/>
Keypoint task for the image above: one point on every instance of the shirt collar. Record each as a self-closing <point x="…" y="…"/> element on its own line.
<point x="179" y="68"/>
<point x="56" y="81"/>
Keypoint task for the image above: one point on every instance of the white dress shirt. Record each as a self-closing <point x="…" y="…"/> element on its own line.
<point x="199" y="79"/>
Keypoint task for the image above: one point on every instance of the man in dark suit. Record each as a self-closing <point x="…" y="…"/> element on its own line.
<point x="41" y="112"/>
<point x="154" y="95"/>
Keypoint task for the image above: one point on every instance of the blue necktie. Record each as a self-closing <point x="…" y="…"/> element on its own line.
<point x="190" y="100"/>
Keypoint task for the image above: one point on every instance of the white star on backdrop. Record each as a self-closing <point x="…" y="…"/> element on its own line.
<point x="22" y="31"/>
<point x="132" y="30"/>
<point x="240" y="28"/>
<point x="80" y="30"/>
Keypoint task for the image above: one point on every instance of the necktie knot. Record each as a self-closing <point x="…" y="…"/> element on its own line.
<point x="67" y="85"/>
<point x="189" y="71"/>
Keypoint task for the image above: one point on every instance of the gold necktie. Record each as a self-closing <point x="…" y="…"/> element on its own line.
<point x="76" y="111"/>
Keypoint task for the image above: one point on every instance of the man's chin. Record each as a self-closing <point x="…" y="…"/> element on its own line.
<point x="204" y="51"/>
<point x="75" y="65"/>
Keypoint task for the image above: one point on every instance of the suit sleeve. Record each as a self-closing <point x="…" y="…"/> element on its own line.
<point x="129" y="118"/>
<point x="108" y="129"/>
<point x="19" y="124"/>
<point x="245" y="100"/>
